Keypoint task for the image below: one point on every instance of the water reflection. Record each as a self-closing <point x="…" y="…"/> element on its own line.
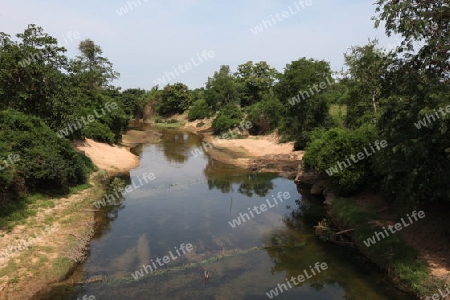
<point x="152" y="222"/>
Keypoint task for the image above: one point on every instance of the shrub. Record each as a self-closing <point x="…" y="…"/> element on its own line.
<point x="227" y="118"/>
<point x="265" y="115"/>
<point x="46" y="161"/>
<point x="99" y="132"/>
<point x="199" y="110"/>
<point x="336" y="145"/>
<point x="172" y="121"/>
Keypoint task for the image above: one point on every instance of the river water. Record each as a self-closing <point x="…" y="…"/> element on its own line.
<point x="191" y="201"/>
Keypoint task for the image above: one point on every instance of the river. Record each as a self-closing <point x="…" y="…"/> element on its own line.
<point x="192" y="200"/>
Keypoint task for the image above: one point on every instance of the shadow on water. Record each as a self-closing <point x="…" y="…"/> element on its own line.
<point x="193" y="200"/>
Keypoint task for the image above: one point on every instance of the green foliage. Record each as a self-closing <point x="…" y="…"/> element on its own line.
<point x="257" y="80"/>
<point x="336" y="145"/>
<point x="117" y="184"/>
<point x="174" y="99"/>
<point x="222" y="89"/>
<point x="425" y="29"/>
<point x="228" y="118"/>
<point x="99" y="132"/>
<point x="367" y="68"/>
<point x="312" y="109"/>
<point x="133" y="102"/>
<point x="265" y="115"/>
<point x="46" y="161"/>
<point x="199" y="110"/>
<point x="390" y="253"/>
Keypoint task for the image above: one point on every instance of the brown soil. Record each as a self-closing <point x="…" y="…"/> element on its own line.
<point x="25" y="272"/>
<point x="134" y="137"/>
<point x="430" y="235"/>
<point x="107" y="157"/>
<point x="255" y="153"/>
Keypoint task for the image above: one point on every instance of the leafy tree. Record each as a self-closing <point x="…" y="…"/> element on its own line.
<point x="174" y="99"/>
<point x="91" y="69"/>
<point x="46" y="161"/>
<point x="335" y="146"/>
<point x="222" y="89"/>
<point x="32" y="76"/>
<point x="133" y="102"/>
<point x="414" y="170"/>
<point x="301" y="79"/>
<point x="199" y="110"/>
<point x="228" y="117"/>
<point x="425" y="28"/>
<point x="265" y="115"/>
<point x="367" y="68"/>
<point x="256" y="79"/>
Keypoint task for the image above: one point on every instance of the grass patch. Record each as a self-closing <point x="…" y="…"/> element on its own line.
<point x="79" y="188"/>
<point x="60" y="267"/>
<point x="348" y="212"/>
<point x="169" y="125"/>
<point x="391" y="253"/>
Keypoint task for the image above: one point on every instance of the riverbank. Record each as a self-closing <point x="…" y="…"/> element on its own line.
<point x="414" y="255"/>
<point x="417" y="260"/>
<point x="254" y="153"/>
<point x="51" y="257"/>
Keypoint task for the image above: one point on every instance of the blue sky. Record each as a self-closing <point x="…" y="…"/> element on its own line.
<point x="157" y="35"/>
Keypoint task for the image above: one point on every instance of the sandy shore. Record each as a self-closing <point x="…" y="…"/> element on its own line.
<point x="24" y="272"/>
<point x="255" y="153"/>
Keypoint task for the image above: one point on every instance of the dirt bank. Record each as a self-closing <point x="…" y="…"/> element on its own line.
<point x="107" y="157"/>
<point x="49" y="257"/>
<point x="255" y="153"/>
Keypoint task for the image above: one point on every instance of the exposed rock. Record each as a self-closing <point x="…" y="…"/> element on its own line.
<point x="307" y="177"/>
<point x="329" y="196"/>
<point x="319" y="187"/>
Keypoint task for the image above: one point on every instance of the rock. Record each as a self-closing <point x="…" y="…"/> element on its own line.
<point x="329" y="196"/>
<point x="319" y="187"/>
<point x="307" y="177"/>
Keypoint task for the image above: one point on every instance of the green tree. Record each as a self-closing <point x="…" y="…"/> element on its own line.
<point x="367" y="69"/>
<point x="266" y="114"/>
<point x="256" y="79"/>
<point x="306" y="105"/>
<point x="174" y="99"/>
<point x="415" y="169"/>
<point x="227" y="118"/>
<point x="425" y="28"/>
<point x="222" y="89"/>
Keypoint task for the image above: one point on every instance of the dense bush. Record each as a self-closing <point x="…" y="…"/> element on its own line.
<point x="265" y="115"/>
<point x="327" y="148"/>
<point x="46" y="161"/>
<point x="173" y="99"/>
<point x="199" y="110"/>
<point x="228" y="117"/>
<point x="99" y="132"/>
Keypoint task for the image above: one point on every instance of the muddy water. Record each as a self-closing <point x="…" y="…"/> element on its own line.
<point x="191" y="201"/>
